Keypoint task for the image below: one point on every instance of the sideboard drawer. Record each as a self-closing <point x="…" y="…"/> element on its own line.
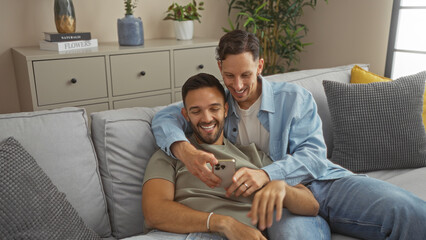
<point x="135" y="73"/>
<point x="189" y="62"/>
<point x="110" y="76"/>
<point x="99" y="107"/>
<point x="67" y="80"/>
<point x="150" y="101"/>
<point x="178" y="96"/>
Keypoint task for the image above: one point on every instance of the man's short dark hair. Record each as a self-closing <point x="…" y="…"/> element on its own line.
<point x="202" y="80"/>
<point x="236" y="42"/>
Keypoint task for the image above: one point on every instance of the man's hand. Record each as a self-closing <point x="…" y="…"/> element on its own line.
<point x="233" y="229"/>
<point x="196" y="162"/>
<point x="269" y="198"/>
<point x="246" y="181"/>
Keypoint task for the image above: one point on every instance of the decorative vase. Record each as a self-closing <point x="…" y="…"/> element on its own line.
<point x="64" y="16"/>
<point x="130" y="31"/>
<point x="184" y="30"/>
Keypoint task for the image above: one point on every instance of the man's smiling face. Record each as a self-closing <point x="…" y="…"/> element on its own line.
<point x="206" y="110"/>
<point x="239" y="74"/>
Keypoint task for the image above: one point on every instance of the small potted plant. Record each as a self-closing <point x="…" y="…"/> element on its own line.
<point x="183" y="17"/>
<point x="130" y="29"/>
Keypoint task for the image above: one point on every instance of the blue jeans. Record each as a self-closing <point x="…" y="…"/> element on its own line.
<point x="296" y="227"/>
<point x="360" y="207"/>
<point x="369" y="208"/>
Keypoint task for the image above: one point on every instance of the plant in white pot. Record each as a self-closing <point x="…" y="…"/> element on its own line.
<point x="183" y="17"/>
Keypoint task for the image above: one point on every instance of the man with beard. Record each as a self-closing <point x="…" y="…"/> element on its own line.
<point x="177" y="204"/>
<point x="281" y="119"/>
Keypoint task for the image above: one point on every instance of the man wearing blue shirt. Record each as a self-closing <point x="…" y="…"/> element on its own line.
<point x="282" y="120"/>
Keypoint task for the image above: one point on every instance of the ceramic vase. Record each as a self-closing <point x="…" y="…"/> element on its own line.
<point x="64" y="16"/>
<point x="184" y="30"/>
<point x="130" y="31"/>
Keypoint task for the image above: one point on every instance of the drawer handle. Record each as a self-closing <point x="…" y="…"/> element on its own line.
<point x="201" y="66"/>
<point x="143" y="73"/>
<point x="73" y="81"/>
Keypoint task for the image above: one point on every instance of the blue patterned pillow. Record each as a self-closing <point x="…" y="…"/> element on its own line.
<point x="378" y="125"/>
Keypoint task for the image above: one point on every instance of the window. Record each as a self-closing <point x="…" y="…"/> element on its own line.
<point x="407" y="39"/>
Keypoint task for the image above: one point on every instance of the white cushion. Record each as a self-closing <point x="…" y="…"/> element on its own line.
<point x="412" y="180"/>
<point x="60" y="142"/>
<point x="124" y="143"/>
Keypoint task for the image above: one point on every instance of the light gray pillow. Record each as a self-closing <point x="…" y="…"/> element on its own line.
<point x="31" y="206"/>
<point x="124" y="143"/>
<point x="60" y="142"/>
<point x="378" y="125"/>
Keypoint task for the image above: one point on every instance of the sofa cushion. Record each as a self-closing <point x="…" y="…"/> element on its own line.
<point x="378" y="125"/>
<point x="360" y="75"/>
<point x="312" y="81"/>
<point x="411" y="179"/>
<point x="124" y="143"/>
<point x="59" y="141"/>
<point x="31" y="206"/>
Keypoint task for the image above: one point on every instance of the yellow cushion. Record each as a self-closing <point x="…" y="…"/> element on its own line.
<point x="359" y="75"/>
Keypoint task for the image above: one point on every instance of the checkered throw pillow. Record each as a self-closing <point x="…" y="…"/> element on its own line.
<point x="378" y="125"/>
<point x="31" y="206"/>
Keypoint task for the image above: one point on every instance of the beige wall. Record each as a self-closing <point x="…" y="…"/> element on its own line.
<point x="344" y="31"/>
<point x="347" y="31"/>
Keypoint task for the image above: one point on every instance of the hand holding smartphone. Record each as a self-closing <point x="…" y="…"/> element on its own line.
<point x="225" y="170"/>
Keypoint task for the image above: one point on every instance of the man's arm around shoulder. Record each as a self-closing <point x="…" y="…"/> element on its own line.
<point x="169" y="126"/>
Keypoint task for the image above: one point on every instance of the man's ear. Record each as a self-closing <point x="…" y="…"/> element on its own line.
<point x="260" y="66"/>
<point x="226" y="109"/>
<point x="219" y="64"/>
<point x="185" y="114"/>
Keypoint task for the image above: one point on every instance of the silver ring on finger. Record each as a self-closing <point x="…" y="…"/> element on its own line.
<point x="245" y="184"/>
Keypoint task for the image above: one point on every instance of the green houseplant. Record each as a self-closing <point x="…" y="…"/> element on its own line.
<point x="276" y="24"/>
<point x="188" y="12"/>
<point x="183" y="17"/>
<point x="130" y="29"/>
<point x="129" y="5"/>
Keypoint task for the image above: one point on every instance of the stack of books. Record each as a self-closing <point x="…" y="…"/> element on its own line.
<point x="67" y="41"/>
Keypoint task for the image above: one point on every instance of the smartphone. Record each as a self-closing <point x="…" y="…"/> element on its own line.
<point x="225" y="169"/>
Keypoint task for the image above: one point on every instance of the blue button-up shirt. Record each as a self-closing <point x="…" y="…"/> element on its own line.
<point x="296" y="142"/>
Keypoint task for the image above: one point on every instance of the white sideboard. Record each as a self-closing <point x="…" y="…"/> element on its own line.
<point x="110" y="76"/>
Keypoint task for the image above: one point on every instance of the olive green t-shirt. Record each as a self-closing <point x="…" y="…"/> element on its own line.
<point x="192" y="192"/>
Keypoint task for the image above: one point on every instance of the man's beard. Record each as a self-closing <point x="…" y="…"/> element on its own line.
<point x="212" y="138"/>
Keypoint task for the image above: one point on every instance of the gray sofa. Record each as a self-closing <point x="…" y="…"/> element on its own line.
<point x="100" y="168"/>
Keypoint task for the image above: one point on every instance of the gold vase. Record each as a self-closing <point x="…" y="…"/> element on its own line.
<point x="64" y="16"/>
